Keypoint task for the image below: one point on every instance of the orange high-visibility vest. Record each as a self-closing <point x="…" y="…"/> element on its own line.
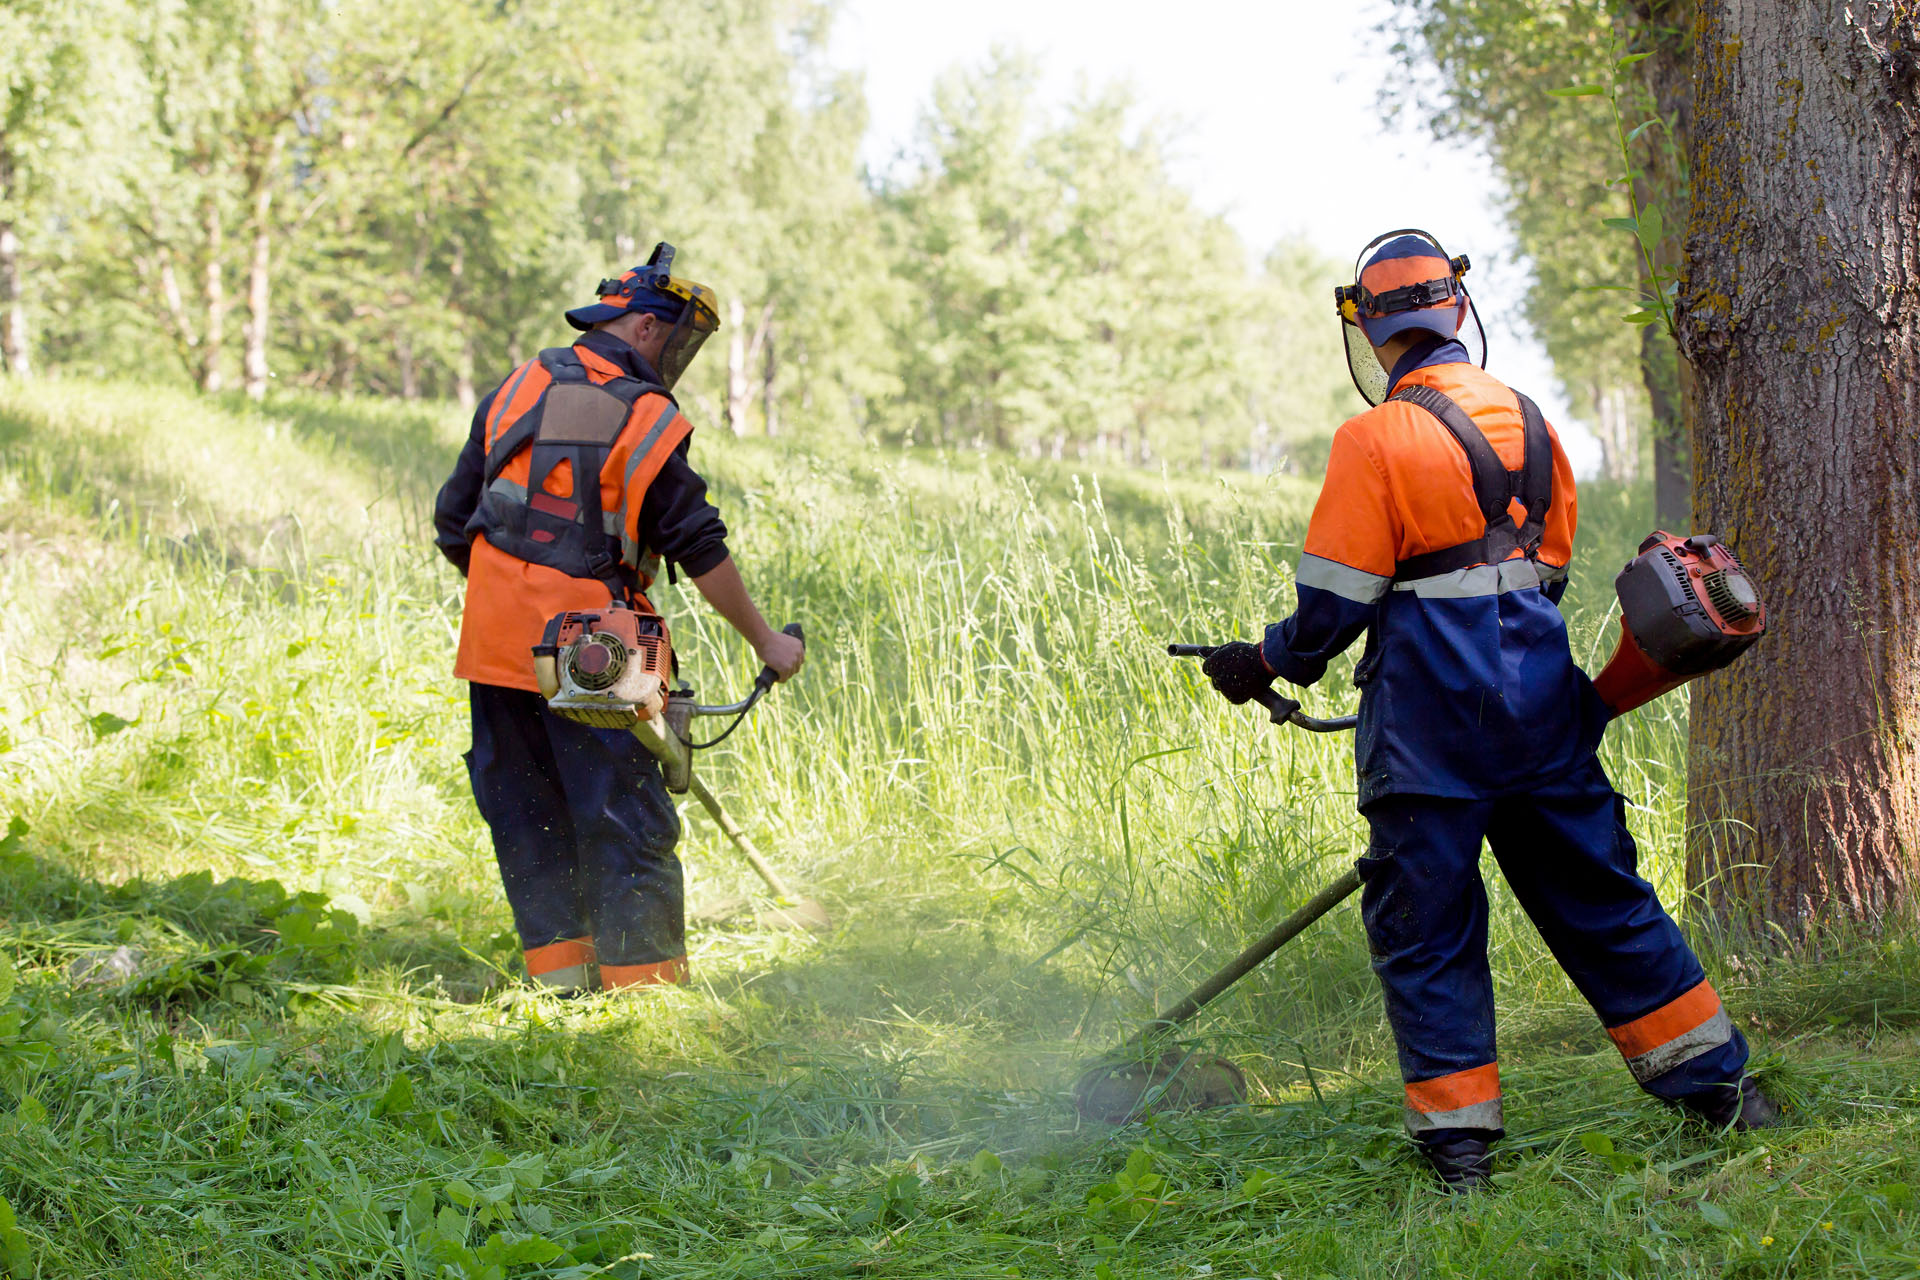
<point x="543" y="543"/>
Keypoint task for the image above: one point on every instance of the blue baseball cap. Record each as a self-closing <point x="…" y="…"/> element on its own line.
<point x="1408" y="283"/>
<point x="632" y="291"/>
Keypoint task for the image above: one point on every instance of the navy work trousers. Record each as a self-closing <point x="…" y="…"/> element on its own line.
<point x="1566" y="853"/>
<point x="584" y="832"/>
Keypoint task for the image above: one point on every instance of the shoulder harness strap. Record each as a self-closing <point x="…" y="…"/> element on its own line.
<point x="1494" y="487"/>
<point x="1535" y="477"/>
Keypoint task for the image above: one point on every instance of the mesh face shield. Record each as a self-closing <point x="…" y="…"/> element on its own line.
<point x="1403" y="280"/>
<point x="696" y="324"/>
<point x="1363" y="366"/>
<point x="692" y="310"/>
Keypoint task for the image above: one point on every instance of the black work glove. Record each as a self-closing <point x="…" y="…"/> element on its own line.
<point x="1237" y="671"/>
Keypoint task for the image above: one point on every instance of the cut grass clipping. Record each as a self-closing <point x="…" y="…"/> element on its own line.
<point x="259" y="1012"/>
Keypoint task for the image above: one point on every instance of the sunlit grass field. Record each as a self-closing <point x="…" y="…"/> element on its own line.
<point x="230" y="744"/>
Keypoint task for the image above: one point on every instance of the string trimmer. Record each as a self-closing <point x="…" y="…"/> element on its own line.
<point x="610" y="668"/>
<point x="1131" y="1078"/>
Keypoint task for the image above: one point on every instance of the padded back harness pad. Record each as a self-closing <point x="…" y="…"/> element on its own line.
<point x="576" y="421"/>
<point x="1494" y="487"/>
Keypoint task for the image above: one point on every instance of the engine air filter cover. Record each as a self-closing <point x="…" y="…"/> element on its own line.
<point x="597" y="661"/>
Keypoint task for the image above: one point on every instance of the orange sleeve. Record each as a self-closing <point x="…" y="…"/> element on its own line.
<point x="1355" y="522"/>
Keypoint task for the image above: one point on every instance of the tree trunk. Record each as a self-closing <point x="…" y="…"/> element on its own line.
<point x="737" y="366"/>
<point x="463" y="376"/>
<point x="1613" y="427"/>
<point x="259" y="277"/>
<point x="742" y="348"/>
<point x="1801" y="315"/>
<point x="403" y="359"/>
<point x="770" y="373"/>
<point x="213" y="292"/>
<point x="1666" y="27"/>
<point x="13" y="308"/>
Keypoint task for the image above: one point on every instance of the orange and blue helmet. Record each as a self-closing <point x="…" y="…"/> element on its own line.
<point x="1402" y="280"/>
<point x="692" y="309"/>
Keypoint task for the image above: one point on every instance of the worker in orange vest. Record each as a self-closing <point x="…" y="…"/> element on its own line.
<point x="583" y="827"/>
<point x="1443" y="533"/>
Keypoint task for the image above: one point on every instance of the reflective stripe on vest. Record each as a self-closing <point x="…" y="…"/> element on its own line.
<point x="1485" y="580"/>
<point x="643" y="453"/>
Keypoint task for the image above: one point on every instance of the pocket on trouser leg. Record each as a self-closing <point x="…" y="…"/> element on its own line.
<point x="1626" y="853"/>
<point x="1382" y="913"/>
<point x="473" y="783"/>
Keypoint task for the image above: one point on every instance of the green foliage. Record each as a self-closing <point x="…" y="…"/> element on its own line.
<point x="401" y="197"/>
<point x="1551" y="88"/>
<point x="1032" y="827"/>
<point x="1072" y="300"/>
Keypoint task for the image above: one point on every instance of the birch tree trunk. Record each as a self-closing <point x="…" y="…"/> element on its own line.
<point x="13" y="307"/>
<point x="742" y="349"/>
<point x="1801" y="316"/>
<point x="769" y="375"/>
<point x="259" y="267"/>
<point x="213" y="292"/>
<point x="737" y="366"/>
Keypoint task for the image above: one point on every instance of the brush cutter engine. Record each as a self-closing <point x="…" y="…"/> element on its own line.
<point x="607" y="668"/>
<point x="1687" y="607"/>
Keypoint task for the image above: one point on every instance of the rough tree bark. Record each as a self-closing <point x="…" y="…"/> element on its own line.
<point x="1801" y="316"/>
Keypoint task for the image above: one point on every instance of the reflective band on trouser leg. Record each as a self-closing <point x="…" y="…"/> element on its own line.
<point x="562" y="964"/>
<point x="1467" y="1099"/>
<point x="1676" y="1032"/>
<point x="672" y="971"/>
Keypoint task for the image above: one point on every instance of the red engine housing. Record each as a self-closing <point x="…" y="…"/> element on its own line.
<point x="1687" y="607"/>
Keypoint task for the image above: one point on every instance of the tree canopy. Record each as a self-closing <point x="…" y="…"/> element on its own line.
<point x="400" y="197"/>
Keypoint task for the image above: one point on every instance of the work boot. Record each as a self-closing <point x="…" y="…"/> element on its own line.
<point x="1744" y="1108"/>
<point x="1464" y="1161"/>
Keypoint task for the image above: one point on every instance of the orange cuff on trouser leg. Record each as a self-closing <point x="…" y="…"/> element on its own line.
<point x="561" y="965"/>
<point x="674" y="971"/>
<point x="1467" y="1099"/>
<point x="1675" y="1033"/>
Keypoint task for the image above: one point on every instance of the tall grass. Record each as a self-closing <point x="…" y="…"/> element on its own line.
<point x="226" y="645"/>
<point x="988" y="723"/>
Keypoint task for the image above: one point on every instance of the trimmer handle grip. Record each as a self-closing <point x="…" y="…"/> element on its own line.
<point x="1280" y="708"/>
<point x="768" y="677"/>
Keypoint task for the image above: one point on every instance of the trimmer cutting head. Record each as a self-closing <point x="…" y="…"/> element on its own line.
<point x="800" y="915"/>
<point x="1120" y="1090"/>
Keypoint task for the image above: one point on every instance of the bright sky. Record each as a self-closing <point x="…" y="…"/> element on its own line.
<point x="1279" y="131"/>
